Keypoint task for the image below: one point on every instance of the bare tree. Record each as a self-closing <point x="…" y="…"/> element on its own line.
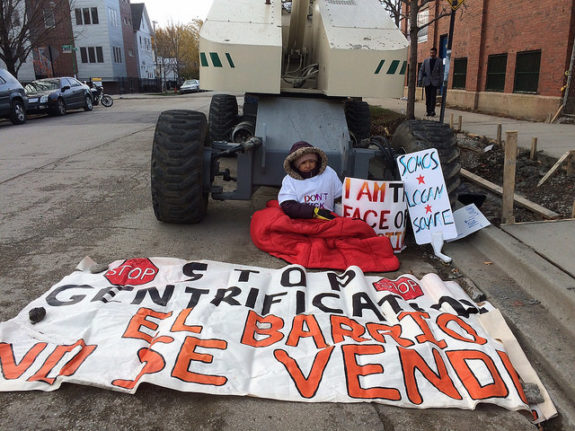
<point x="409" y="9"/>
<point x="24" y="24"/>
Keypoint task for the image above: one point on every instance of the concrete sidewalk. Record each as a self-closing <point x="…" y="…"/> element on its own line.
<point x="527" y="270"/>
<point x="553" y="139"/>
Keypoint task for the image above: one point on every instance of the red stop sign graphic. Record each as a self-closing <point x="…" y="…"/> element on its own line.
<point x="133" y="272"/>
<point x="403" y="286"/>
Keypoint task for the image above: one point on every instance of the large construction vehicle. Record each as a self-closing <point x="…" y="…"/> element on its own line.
<point x="302" y="67"/>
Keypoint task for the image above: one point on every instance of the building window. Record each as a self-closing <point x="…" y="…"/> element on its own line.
<point x="49" y="19"/>
<point x="527" y="72"/>
<point x="496" y="67"/>
<point x="422" y="19"/>
<point x="92" y="54"/>
<point x="459" y="72"/>
<point x="86" y="15"/>
<point x="114" y="20"/>
<point x="117" y="54"/>
<point x="130" y="52"/>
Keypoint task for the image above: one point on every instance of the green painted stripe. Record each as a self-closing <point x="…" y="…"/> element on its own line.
<point x="215" y="59"/>
<point x="229" y="57"/>
<point x="203" y="59"/>
<point x="403" y="68"/>
<point x="393" y="67"/>
<point x="379" y="67"/>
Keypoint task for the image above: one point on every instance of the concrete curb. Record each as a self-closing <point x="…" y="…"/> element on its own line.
<point x="541" y="279"/>
<point x="533" y="296"/>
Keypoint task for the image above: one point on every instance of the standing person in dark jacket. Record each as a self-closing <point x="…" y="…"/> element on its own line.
<point x="311" y="187"/>
<point x="431" y="77"/>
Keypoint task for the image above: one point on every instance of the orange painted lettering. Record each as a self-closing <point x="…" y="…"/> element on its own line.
<point x="354" y="371"/>
<point x="12" y="370"/>
<point x="354" y="330"/>
<point x="139" y="320"/>
<point x="419" y="318"/>
<point x="188" y="354"/>
<point x="378" y="331"/>
<point x="307" y="387"/>
<point x="313" y="330"/>
<point x="254" y="325"/>
<point x="444" y="319"/>
<point x="411" y="361"/>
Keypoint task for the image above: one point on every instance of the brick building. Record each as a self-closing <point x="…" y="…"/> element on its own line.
<point x="507" y="58"/>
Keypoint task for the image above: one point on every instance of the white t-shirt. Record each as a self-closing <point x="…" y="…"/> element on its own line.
<point x="320" y="191"/>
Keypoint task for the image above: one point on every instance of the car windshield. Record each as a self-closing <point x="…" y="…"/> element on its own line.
<point x="190" y="82"/>
<point x="43" y="85"/>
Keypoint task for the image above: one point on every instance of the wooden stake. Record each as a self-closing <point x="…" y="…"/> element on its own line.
<point x="573" y="210"/>
<point x="499" y="135"/>
<point x="460" y="124"/>
<point x="519" y="200"/>
<point x="571" y="164"/>
<point x="568" y="154"/>
<point x="533" y="154"/>
<point x="451" y="121"/>
<point x="557" y="113"/>
<point x="509" y="165"/>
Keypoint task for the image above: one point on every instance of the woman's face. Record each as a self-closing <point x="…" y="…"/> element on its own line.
<point x="307" y="165"/>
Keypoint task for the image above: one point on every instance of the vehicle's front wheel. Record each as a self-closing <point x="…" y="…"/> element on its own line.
<point x="417" y="135"/>
<point x="18" y="114"/>
<point x="223" y="116"/>
<point x="177" y="174"/>
<point x="60" y="108"/>
<point x="88" y="106"/>
<point x="107" y="101"/>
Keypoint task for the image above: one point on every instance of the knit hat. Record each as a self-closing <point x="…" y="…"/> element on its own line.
<point x="297" y="151"/>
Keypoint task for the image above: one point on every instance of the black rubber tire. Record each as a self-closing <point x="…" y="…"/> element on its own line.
<point x="60" y="108"/>
<point x="177" y="171"/>
<point x="223" y="117"/>
<point x="107" y="100"/>
<point x="417" y="135"/>
<point x="18" y="113"/>
<point x="358" y="120"/>
<point x="88" y="105"/>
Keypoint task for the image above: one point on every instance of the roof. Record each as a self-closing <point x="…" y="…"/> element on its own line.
<point x="137" y="13"/>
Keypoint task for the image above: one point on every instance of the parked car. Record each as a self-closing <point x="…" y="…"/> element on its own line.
<point x="13" y="100"/>
<point x="57" y="95"/>
<point x="190" y="86"/>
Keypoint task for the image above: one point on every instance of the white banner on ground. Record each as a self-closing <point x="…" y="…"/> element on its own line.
<point x="286" y="334"/>
<point x="381" y="204"/>
<point x="426" y="194"/>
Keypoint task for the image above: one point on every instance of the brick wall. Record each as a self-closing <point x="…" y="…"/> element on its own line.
<point x="486" y="27"/>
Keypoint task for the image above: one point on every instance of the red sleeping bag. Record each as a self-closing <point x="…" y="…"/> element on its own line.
<point x="313" y="243"/>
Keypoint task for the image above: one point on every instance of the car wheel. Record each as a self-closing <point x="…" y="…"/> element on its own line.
<point x="88" y="106"/>
<point x="18" y="115"/>
<point x="60" y="108"/>
<point x="179" y="189"/>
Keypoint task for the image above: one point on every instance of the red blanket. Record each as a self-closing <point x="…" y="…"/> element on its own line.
<point x="313" y="243"/>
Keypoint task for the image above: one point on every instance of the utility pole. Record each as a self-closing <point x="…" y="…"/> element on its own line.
<point x="454" y="5"/>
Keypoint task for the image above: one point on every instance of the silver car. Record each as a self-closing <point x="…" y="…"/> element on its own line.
<point x="190" y="86"/>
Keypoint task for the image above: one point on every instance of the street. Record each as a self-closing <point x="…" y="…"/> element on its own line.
<point x="79" y="185"/>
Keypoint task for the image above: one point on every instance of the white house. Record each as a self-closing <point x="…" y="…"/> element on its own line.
<point x="97" y="27"/>
<point x="143" y="33"/>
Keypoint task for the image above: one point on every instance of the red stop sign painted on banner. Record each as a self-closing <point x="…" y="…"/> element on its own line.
<point x="133" y="272"/>
<point x="403" y="286"/>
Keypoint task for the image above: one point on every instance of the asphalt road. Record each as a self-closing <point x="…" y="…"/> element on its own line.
<point x="78" y="186"/>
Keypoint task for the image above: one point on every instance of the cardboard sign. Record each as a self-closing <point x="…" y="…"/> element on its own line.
<point x="426" y="195"/>
<point x="285" y="334"/>
<point x="381" y="204"/>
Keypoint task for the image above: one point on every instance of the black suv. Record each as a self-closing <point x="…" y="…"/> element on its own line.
<point x="13" y="100"/>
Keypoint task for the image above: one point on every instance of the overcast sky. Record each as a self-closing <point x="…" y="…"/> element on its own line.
<point x="178" y="11"/>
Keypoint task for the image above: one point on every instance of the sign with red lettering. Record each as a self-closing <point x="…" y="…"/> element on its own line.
<point x="426" y="195"/>
<point x="407" y="287"/>
<point x="285" y="334"/>
<point x="381" y="204"/>
<point x="133" y="272"/>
